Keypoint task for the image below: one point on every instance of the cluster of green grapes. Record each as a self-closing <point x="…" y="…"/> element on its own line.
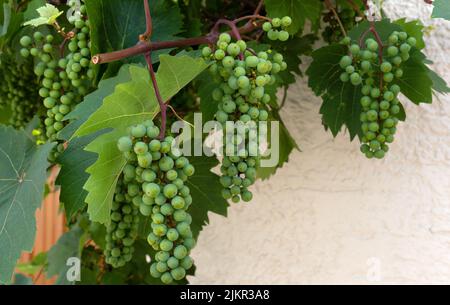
<point x="64" y="80"/>
<point x="123" y="229"/>
<point x="242" y="97"/>
<point x="17" y="83"/>
<point x="333" y="33"/>
<point x="276" y="28"/>
<point x="380" y="105"/>
<point x="156" y="175"/>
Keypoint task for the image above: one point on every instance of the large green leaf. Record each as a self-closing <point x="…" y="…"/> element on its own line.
<point x="298" y="10"/>
<point x="117" y="24"/>
<point x="286" y="146"/>
<point x="441" y="9"/>
<point x="206" y="192"/>
<point x="74" y="161"/>
<point x="68" y="246"/>
<point x="92" y="102"/>
<point x="340" y="100"/>
<point x="131" y="103"/>
<point x="23" y="168"/>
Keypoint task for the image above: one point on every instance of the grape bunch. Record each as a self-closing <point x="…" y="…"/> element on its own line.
<point x="244" y="77"/>
<point x="157" y="175"/>
<point x="276" y="28"/>
<point x="17" y="84"/>
<point x="64" y="80"/>
<point x="377" y="76"/>
<point x="122" y="231"/>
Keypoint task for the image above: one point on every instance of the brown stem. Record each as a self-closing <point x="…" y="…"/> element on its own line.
<point x="144" y="47"/>
<point x="252" y="17"/>
<point x="148" y="23"/>
<point x="356" y="8"/>
<point x="162" y="105"/>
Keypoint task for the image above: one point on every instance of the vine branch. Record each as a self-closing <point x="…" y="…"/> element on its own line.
<point x="148" y="23"/>
<point x="162" y="105"/>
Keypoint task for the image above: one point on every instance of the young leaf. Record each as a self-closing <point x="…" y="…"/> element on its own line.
<point x="23" y="168"/>
<point x="47" y="15"/>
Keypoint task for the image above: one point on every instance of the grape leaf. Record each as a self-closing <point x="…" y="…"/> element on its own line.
<point x="298" y="10"/>
<point x="286" y="146"/>
<point x="47" y="15"/>
<point x="206" y="192"/>
<point x="23" y="168"/>
<point x="340" y="100"/>
<point x="292" y="50"/>
<point x="69" y="245"/>
<point x="131" y="103"/>
<point x="117" y="24"/>
<point x="416" y="83"/>
<point x="92" y="102"/>
<point x="74" y="161"/>
<point x="205" y="86"/>
<point x="441" y="9"/>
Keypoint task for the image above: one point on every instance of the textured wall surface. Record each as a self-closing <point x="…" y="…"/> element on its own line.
<point x="332" y="216"/>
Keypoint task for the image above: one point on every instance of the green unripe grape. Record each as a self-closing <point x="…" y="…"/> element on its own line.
<point x="34" y="52"/>
<point x="386" y="67"/>
<point x="24" y="53"/>
<point x="38" y="36"/>
<point x="346" y="40"/>
<point x="276" y="22"/>
<point x="25" y="41"/>
<point x="247" y="196"/>
<point x="350" y="69"/>
<point x="384" y="105"/>
<point x="379" y="154"/>
<point x="283" y="35"/>
<point x="166" y="164"/>
<point x="286" y="21"/>
<point x="392" y="51"/>
<point x="151" y="189"/>
<point x="138" y="131"/>
<point x="206" y="51"/>
<point x="397" y="60"/>
<point x="402" y="36"/>
<point x="345" y="62"/>
<point x="187" y="263"/>
<point x="173" y="263"/>
<point x="393" y="39"/>
<point x="398" y="73"/>
<point x="374" y="127"/>
<point x="225" y="37"/>
<point x="180" y="252"/>
<point x="167" y="278"/>
<point x="242" y="45"/>
<point x="170" y="190"/>
<point x="124" y="144"/>
<point x="355" y="79"/>
<point x="405" y="48"/>
<point x="366" y="65"/>
<point x="344" y="77"/>
<point x="354" y="49"/>
<point x="47" y="48"/>
<point x="388" y="77"/>
<point x="267" y="26"/>
<point x="166" y="245"/>
<point x="395" y="109"/>
<point x="219" y="54"/>
<point x="273" y="34"/>
<point x="412" y="41"/>
<point x="49" y="102"/>
<point x="372" y="115"/>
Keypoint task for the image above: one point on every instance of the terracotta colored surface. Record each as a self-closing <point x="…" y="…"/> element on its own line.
<point x="50" y="226"/>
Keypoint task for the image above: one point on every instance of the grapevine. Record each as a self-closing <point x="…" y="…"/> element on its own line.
<point x="92" y="94"/>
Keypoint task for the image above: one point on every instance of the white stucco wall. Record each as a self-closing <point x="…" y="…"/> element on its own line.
<point x="331" y="215"/>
